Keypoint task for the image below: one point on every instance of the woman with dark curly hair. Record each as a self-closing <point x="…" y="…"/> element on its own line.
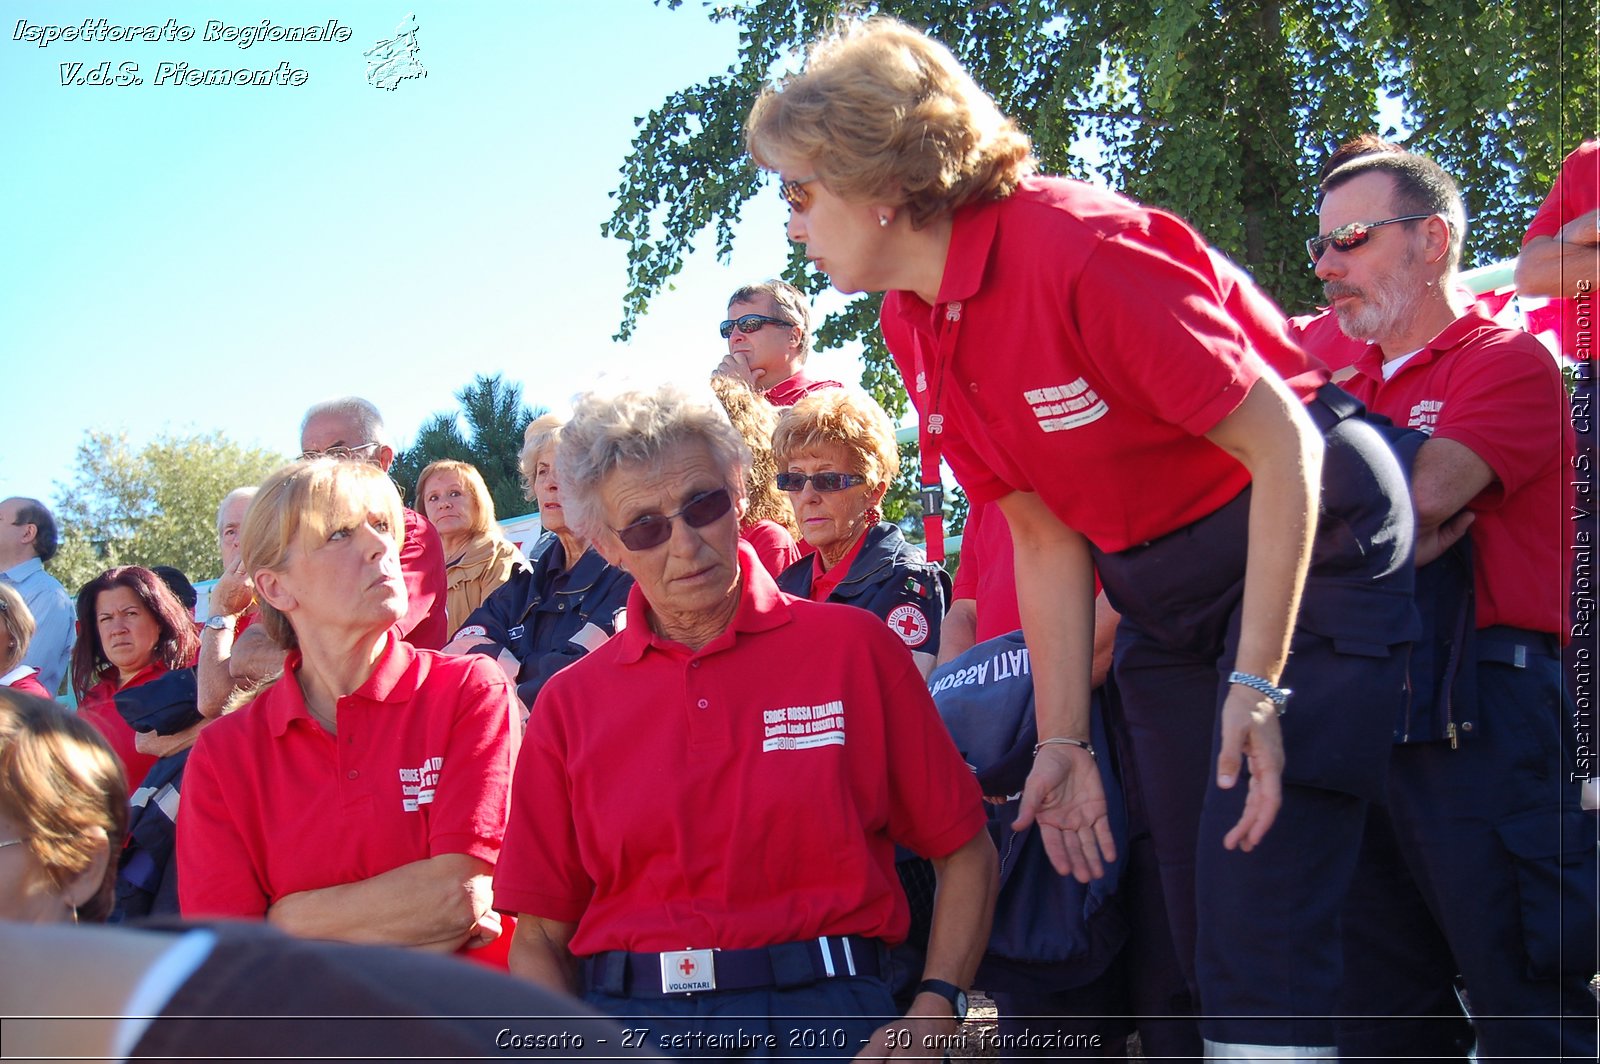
<point x="131" y="630"/>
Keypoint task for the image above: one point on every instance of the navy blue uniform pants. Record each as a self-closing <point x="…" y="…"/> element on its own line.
<point x="1258" y="933"/>
<point x="831" y="1019"/>
<point x="1481" y="866"/>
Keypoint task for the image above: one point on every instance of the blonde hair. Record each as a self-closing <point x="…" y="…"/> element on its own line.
<point x="539" y="438"/>
<point x="483" y="522"/>
<point x="19" y="626"/>
<point x="63" y="787"/>
<point x="884" y="114"/>
<point x="307" y="501"/>
<point x="849" y="418"/>
<point x="755" y="419"/>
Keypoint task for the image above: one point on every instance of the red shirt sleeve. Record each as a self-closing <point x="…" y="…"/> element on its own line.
<point x="1491" y="399"/>
<point x="541" y="870"/>
<point x="1576" y="191"/>
<point x="216" y="871"/>
<point x="426" y="625"/>
<point x="474" y="797"/>
<point x="1180" y="356"/>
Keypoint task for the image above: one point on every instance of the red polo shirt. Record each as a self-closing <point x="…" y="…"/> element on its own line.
<point x="1322" y="337"/>
<point x="746" y="794"/>
<point x="1497" y="392"/>
<point x="28" y="683"/>
<point x="791" y="390"/>
<point x="426" y="624"/>
<point x="273" y="804"/>
<point x="987" y="573"/>
<point x="99" y="708"/>
<point x="1080" y="347"/>
<point x="773" y="545"/>
<point x="1576" y="192"/>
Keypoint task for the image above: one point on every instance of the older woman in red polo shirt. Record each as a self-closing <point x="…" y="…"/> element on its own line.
<point x="361" y="796"/>
<point x="709" y="803"/>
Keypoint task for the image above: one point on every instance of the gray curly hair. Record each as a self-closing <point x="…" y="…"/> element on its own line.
<point x="637" y="427"/>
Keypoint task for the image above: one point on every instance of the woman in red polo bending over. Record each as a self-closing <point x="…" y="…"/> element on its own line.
<point x="362" y="796"/>
<point x="1133" y="405"/>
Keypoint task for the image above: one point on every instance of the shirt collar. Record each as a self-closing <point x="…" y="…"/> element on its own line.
<point x="22" y="570"/>
<point x="824" y="581"/>
<point x="972" y="233"/>
<point x="110" y="684"/>
<point x="790" y="389"/>
<point x="761" y="607"/>
<point x="394" y="679"/>
<point x="479" y="553"/>
<point x="1457" y="334"/>
<point x="583" y="575"/>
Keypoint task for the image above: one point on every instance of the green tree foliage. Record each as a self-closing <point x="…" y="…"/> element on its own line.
<point x="153" y="506"/>
<point x="495" y="417"/>
<point x="1219" y="110"/>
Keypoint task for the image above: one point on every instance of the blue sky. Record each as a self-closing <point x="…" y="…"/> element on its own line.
<point x="217" y="257"/>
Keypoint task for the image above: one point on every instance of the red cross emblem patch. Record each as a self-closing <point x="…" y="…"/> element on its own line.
<point x="910" y="624"/>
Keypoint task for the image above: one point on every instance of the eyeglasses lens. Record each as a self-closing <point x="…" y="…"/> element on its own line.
<point x="748" y="324"/>
<point x="795" y="195"/>
<point x="654" y="530"/>
<point x="825" y="482"/>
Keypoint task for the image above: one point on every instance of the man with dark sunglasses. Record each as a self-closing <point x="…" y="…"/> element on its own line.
<point x="768" y="329"/>
<point x="1482" y="864"/>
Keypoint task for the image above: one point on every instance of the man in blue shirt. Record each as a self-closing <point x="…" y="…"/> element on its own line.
<point x="27" y="541"/>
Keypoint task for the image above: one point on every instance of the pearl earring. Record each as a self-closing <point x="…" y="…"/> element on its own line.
<point x="883" y="221"/>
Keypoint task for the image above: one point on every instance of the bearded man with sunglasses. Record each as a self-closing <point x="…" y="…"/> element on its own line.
<point x="1482" y="864"/>
<point x="704" y="819"/>
<point x="768" y="330"/>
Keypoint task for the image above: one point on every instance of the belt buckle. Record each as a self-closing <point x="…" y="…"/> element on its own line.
<point x="686" y="971"/>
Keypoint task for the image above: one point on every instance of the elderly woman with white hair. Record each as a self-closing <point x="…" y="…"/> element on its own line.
<point x="543" y="619"/>
<point x="706" y="810"/>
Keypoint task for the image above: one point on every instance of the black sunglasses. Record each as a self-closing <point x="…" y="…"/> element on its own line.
<point x="750" y="323"/>
<point x="793" y="482"/>
<point x="652" y="530"/>
<point x="1351" y="236"/>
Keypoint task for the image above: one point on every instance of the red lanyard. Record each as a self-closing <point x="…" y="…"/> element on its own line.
<point x="930" y="430"/>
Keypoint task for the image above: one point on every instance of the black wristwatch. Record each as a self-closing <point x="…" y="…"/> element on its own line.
<point x="950" y="992"/>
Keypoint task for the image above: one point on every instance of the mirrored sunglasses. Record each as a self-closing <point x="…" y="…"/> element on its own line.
<point x="749" y="323"/>
<point x="793" y="482"/>
<point x="1349" y="237"/>
<point x="795" y="193"/>
<point x="652" y="530"/>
